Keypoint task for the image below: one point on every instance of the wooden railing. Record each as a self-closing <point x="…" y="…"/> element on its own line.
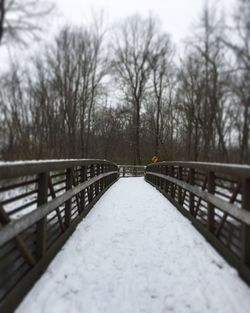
<point x="41" y="203"/>
<point x="216" y="198"/>
<point x="131" y="170"/>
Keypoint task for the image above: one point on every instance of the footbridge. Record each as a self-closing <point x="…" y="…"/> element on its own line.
<point x="93" y="236"/>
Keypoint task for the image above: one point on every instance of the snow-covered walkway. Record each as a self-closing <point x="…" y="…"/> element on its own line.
<point x="134" y="253"/>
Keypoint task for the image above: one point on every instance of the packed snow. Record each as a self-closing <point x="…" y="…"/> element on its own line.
<point x="136" y="253"/>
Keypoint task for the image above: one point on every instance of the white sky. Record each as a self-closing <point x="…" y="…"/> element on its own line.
<point x="177" y="16"/>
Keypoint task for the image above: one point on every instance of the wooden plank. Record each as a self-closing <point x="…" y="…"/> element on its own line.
<point x="11" y="301"/>
<point x="41" y="228"/>
<point x="245" y="240"/>
<point x="225" y="215"/>
<point x="21" y="245"/>
<point x="77" y="195"/>
<point x="14" y="169"/>
<point x="185" y="191"/>
<point x="204" y="186"/>
<point x="172" y="190"/>
<point x="191" y="195"/>
<point x="235" y="170"/>
<point x="101" y="181"/>
<point x="53" y="195"/>
<point x="179" y="187"/>
<point x="83" y="178"/>
<point x="240" y="214"/>
<point x="223" y="250"/>
<point x="16" y="227"/>
<point x="210" y="206"/>
<point x="68" y="203"/>
<point x="91" y="187"/>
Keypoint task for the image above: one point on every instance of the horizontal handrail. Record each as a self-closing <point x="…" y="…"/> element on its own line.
<point x="24" y="168"/>
<point x="41" y="203"/>
<point x="16" y="227"/>
<point x="232" y="210"/>
<point x="132" y="166"/>
<point x="216" y="198"/>
<point x="230" y="169"/>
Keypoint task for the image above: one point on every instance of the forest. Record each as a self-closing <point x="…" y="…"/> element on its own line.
<point x="126" y="93"/>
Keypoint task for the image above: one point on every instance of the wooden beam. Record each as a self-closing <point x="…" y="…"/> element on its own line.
<point x="16" y="227"/>
<point x="41" y="232"/>
<point x="19" y="242"/>
<point x="58" y="213"/>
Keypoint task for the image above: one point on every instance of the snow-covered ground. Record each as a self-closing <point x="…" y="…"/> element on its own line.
<point x="136" y="253"/>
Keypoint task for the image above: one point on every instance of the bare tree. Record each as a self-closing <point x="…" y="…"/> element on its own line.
<point x="132" y="46"/>
<point x="241" y="74"/>
<point x="162" y="73"/>
<point x="21" y="20"/>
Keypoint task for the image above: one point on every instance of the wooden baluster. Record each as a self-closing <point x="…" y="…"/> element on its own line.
<point x="245" y="242"/>
<point x="179" y="188"/>
<point x="98" y="182"/>
<point x="172" y="189"/>
<point x="210" y="207"/>
<point x="42" y="198"/>
<point x="162" y="179"/>
<point x="91" y="188"/>
<point x="102" y="182"/>
<point x="225" y="215"/>
<point x="68" y="203"/>
<point x="19" y="242"/>
<point x="83" y="178"/>
<point x="166" y="182"/>
<point x="53" y="195"/>
<point x="75" y="183"/>
<point x="204" y="185"/>
<point x="191" y="195"/>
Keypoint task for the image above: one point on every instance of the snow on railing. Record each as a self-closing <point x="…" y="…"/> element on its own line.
<point x="41" y="202"/>
<point x="216" y="198"/>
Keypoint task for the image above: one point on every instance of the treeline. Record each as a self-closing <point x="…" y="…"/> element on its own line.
<point x="126" y="95"/>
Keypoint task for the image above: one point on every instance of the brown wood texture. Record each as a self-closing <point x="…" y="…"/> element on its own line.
<point x="216" y="198"/>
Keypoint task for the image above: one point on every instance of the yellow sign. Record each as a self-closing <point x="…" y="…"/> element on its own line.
<point x="155" y="159"/>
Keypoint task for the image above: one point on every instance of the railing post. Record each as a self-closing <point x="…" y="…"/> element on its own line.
<point x="98" y="182"/>
<point x="179" y="188"/>
<point x="166" y="181"/>
<point x="42" y="198"/>
<point x="162" y="180"/>
<point x="210" y="208"/>
<point x="102" y="182"/>
<point x="91" y="188"/>
<point x="245" y="242"/>
<point x="68" y="203"/>
<point x="191" y="195"/>
<point x="172" y="184"/>
<point x="83" y="178"/>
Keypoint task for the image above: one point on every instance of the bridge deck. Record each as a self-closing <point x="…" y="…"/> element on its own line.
<point x="136" y="253"/>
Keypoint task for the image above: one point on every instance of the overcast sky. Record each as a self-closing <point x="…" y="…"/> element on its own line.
<point x="177" y="16"/>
